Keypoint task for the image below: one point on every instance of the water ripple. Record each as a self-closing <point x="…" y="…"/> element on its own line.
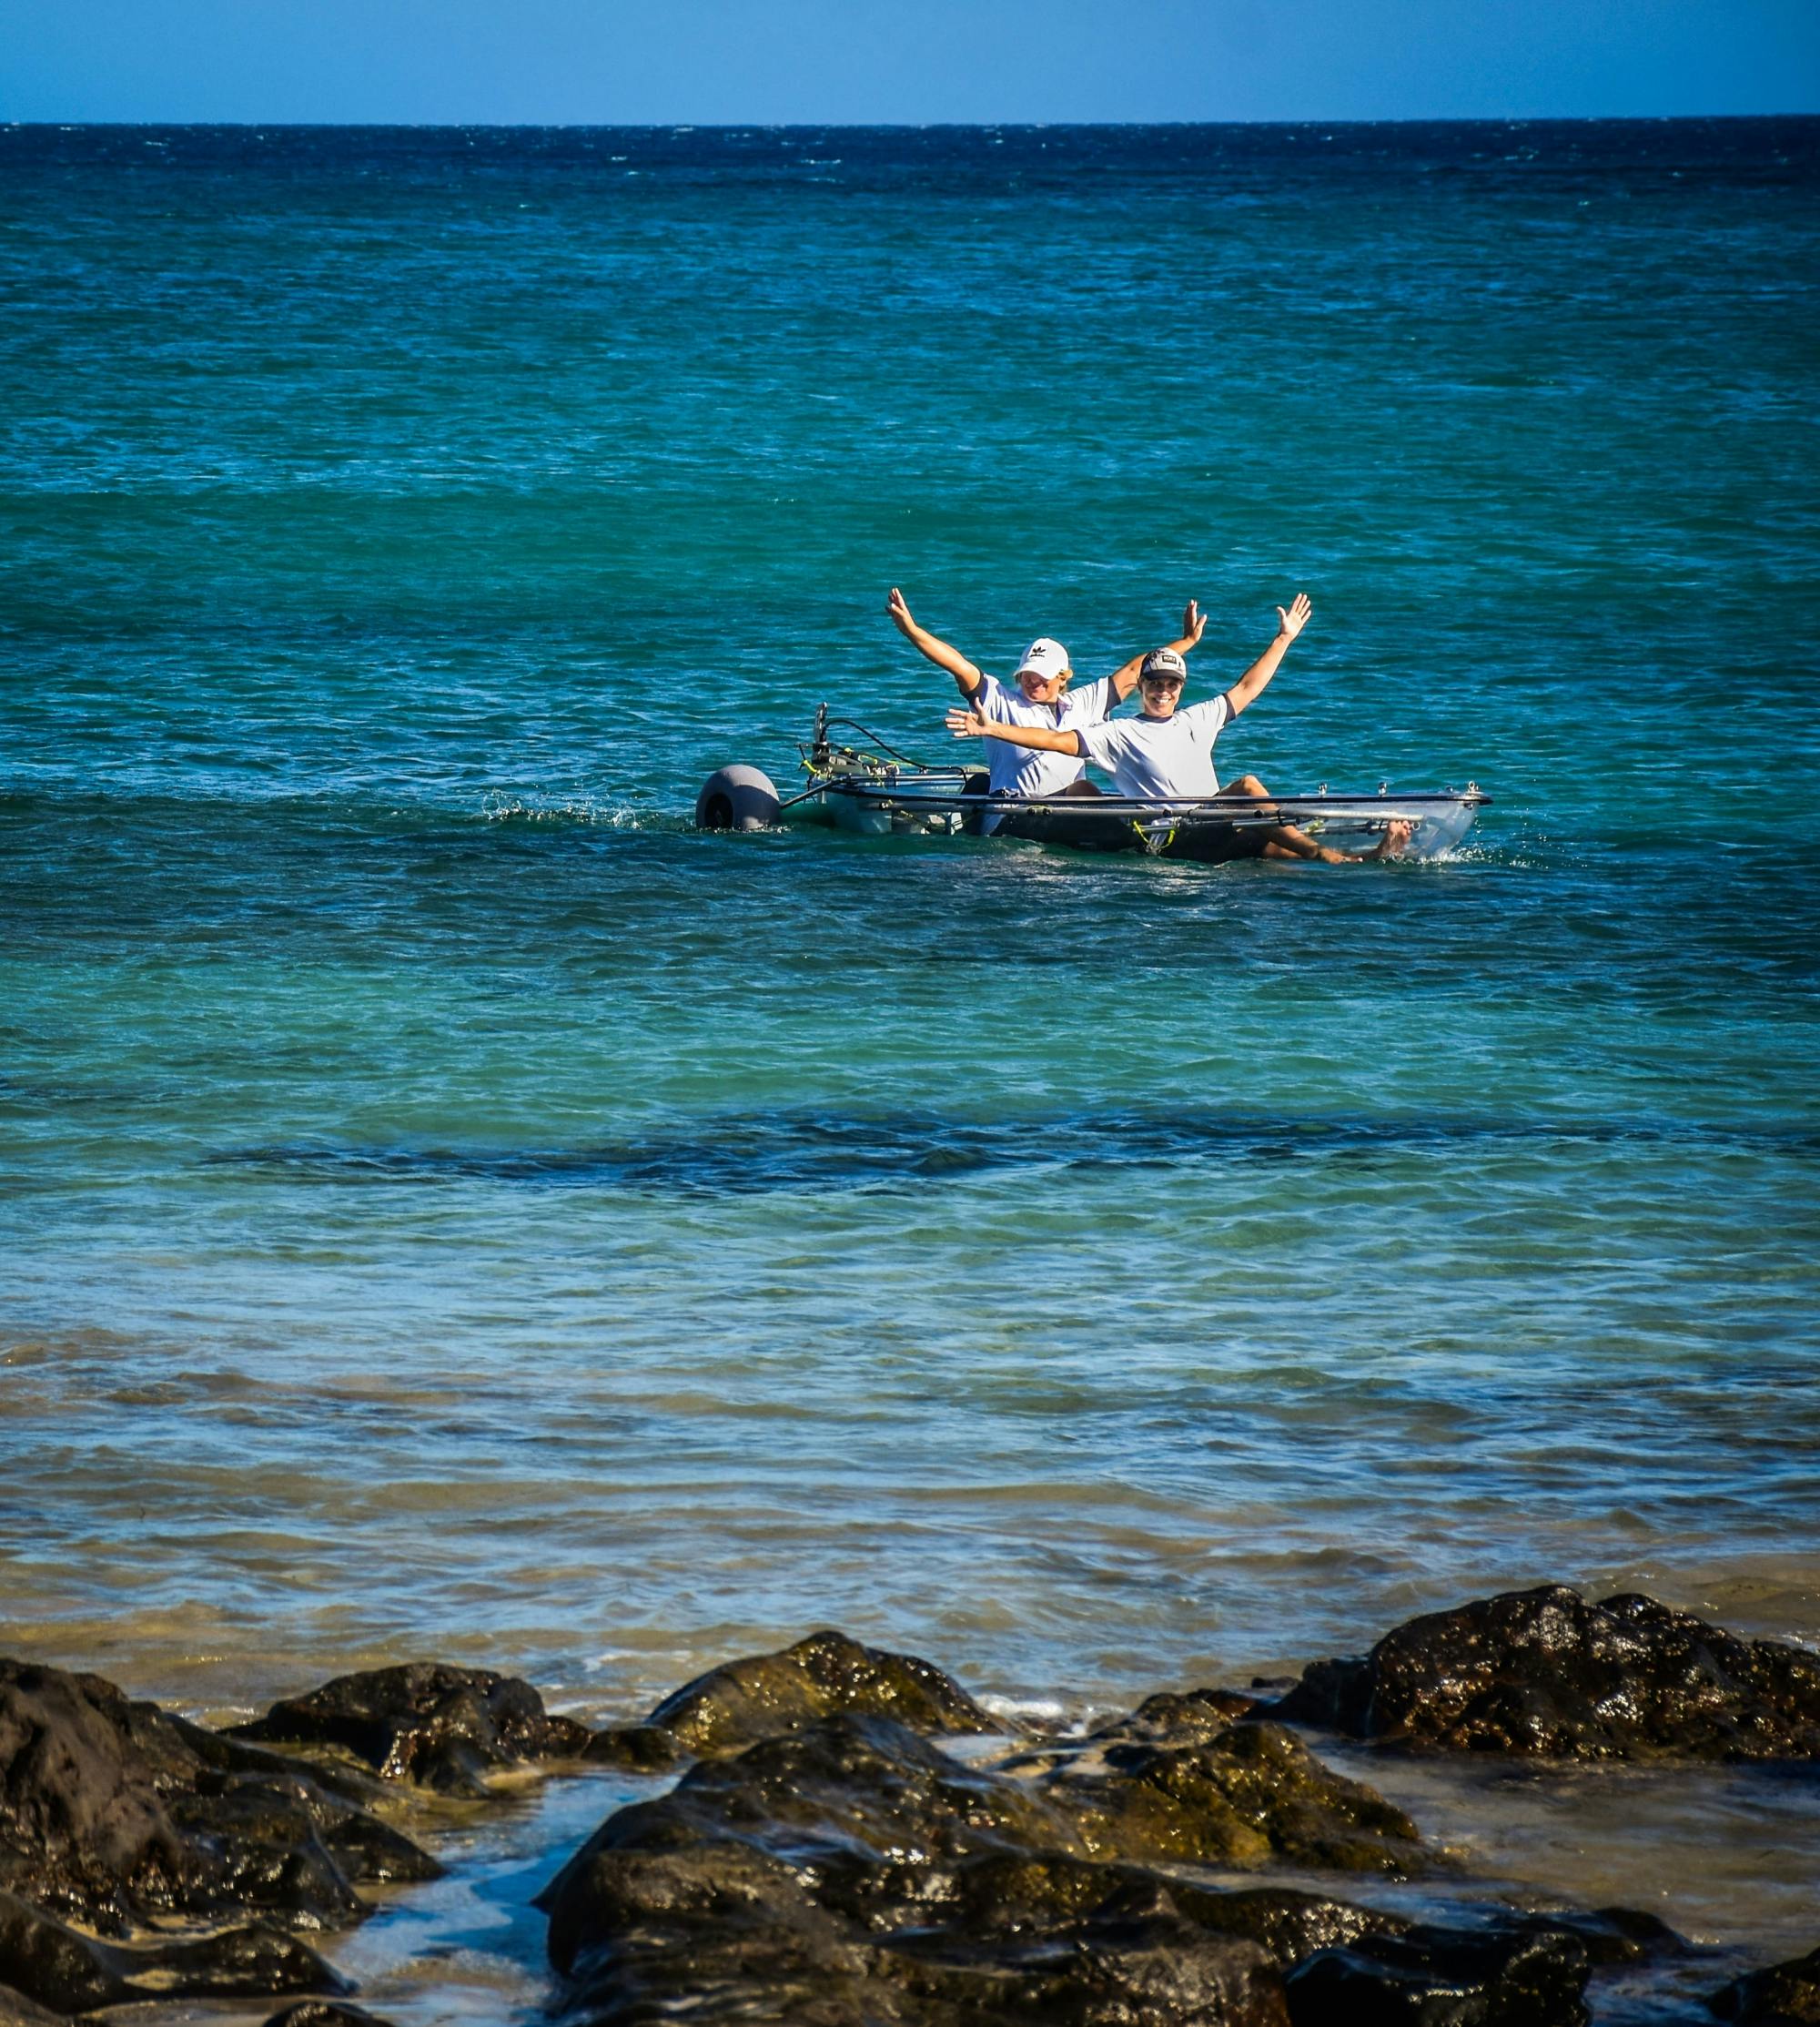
<point x="751" y="1153"/>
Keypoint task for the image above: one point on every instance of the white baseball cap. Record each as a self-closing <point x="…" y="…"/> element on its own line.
<point x="1044" y="657"/>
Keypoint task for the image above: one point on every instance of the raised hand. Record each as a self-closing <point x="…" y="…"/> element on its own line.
<point x="967" y="724"/>
<point x="1194" y="624"/>
<point x="900" y="611"/>
<point x="1289" y="623"/>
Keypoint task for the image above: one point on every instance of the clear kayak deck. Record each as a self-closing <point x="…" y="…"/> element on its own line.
<point x="946" y="802"/>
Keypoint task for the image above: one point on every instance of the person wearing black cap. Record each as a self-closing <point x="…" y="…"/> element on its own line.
<point x="1166" y="753"/>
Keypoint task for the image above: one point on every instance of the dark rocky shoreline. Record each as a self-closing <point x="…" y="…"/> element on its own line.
<point x="853" y="1841"/>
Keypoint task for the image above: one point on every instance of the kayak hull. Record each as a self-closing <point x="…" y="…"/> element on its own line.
<point x="1214" y="831"/>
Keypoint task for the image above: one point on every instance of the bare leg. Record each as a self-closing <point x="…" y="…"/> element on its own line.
<point x="1285" y="841"/>
<point x="1391" y="845"/>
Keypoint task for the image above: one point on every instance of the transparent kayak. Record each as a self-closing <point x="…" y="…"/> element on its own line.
<point x="936" y="802"/>
<point x="883" y="794"/>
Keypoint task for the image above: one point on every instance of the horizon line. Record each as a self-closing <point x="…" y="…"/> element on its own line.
<point x="914" y="127"/>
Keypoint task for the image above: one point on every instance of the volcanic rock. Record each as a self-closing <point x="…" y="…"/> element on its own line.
<point x="441" y="1727"/>
<point x="1436" y="1977"/>
<point x="59" y="1966"/>
<point x="114" y="1813"/>
<point x="83" y="1826"/>
<point x="852" y="1871"/>
<point x="18" y="2010"/>
<point x="1784" y="1995"/>
<point x="1173" y="1719"/>
<point x="735" y="1705"/>
<point x="1286" y="1923"/>
<point x="1608" y="1935"/>
<point x="1249" y="1796"/>
<point x="326" y="2013"/>
<point x="1545" y="1672"/>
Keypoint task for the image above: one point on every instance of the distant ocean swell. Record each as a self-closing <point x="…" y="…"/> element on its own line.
<point x="741" y="1154"/>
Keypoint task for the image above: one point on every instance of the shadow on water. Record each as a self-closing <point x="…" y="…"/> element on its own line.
<point x="754" y="1154"/>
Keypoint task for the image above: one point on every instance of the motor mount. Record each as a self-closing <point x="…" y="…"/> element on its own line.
<point x="736" y="798"/>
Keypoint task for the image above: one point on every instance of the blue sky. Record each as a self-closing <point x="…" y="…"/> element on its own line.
<point x="711" y="61"/>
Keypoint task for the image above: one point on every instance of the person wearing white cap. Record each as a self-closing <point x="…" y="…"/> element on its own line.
<point x="1041" y="700"/>
<point x="1166" y="753"/>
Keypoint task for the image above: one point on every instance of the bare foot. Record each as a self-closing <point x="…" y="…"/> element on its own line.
<point x="1287" y="842"/>
<point x="1394" y="843"/>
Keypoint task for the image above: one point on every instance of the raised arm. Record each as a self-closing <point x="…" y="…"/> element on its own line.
<point x="972" y="724"/>
<point x="969" y="678"/>
<point x="1246" y="691"/>
<point x="1194" y="624"/>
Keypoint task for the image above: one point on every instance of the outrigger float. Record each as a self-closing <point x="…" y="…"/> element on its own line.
<point x="883" y="793"/>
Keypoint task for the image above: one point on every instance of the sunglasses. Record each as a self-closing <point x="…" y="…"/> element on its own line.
<point x="1161" y="682"/>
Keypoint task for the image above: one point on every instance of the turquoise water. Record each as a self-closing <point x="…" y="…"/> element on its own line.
<point x="446" y="1205"/>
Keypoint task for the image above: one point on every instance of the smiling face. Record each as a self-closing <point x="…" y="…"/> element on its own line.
<point x="1043" y="673"/>
<point x="1039" y="688"/>
<point x="1161" y="694"/>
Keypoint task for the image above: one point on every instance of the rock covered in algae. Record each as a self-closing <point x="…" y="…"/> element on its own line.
<point x="735" y="1705"/>
<point x="114" y="1813"/>
<point x="441" y="1727"/>
<point x="1545" y="1672"/>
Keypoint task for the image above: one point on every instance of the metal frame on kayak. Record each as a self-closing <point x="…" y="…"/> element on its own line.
<point x="877" y="791"/>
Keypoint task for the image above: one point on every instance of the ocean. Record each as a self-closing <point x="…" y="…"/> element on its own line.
<point x="449" y="1206"/>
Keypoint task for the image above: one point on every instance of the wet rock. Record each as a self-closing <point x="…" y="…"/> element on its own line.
<point x="18" y="2010"/>
<point x="1171" y="1718"/>
<point x="1288" y="1925"/>
<point x="176" y="1749"/>
<point x="726" y="1932"/>
<point x="1156" y="1970"/>
<point x="638" y="1749"/>
<point x="1250" y="1794"/>
<point x="113" y="1813"/>
<point x="326" y="2013"/>
<point x="1435" y="1977"/>
<point x="59" y="1966"/>
<point x="1783" y="1995"/>
<point x="1610" y="1935"/>
<point x="874" y="1803"/>
<point x="1545" y="1672"/>
<point x="443" y="1727"/>
<point x="741" y="1702"/>
<point x="852" y="1871"/>
<point x="83" y="1826"/>
<point x="1023" y="1895"/>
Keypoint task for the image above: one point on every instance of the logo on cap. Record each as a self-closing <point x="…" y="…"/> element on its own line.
<point x="1044" y="657"/>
